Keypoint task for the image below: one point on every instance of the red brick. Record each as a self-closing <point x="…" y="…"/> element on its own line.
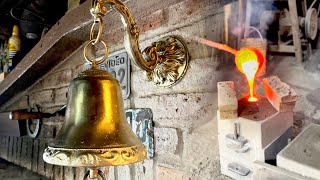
<point x="189" y="11"/>
<point x="43" y="98"/>
<point x="22" y="103"/>
<point x="151" y="21"/>
<point x="77" y="70"/>
<point x="279" y="94"/>
<point x="60" y="96"/>
<point x="57" y="79"/>
<point x="47" y="131"/>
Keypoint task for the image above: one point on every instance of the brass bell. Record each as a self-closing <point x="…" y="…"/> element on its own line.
<point x="95" y="131"/>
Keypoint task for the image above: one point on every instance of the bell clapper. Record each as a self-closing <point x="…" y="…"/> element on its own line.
<point x="94" y="173"/>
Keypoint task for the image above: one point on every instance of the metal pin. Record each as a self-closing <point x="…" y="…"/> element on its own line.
<point x="235" y="133"/>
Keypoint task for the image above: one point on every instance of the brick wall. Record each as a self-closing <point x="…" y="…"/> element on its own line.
<point x="186" y="142"/>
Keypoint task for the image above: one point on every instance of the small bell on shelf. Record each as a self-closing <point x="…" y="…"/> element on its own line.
<point x="14" y="45"/>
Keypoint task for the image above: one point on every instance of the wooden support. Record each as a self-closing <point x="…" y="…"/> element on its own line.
<point x="240" y="22"/>
<point x="248" y="17"/>
<point x="282" y="48"/>
<point x="295" y="29"/>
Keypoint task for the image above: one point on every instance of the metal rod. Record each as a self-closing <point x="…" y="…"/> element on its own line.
<point x="19" y="115"/>
<point x="236" y="135"/>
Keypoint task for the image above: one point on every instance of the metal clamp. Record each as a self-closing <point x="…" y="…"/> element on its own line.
<point x="239" y="169"/>
<point x="236" y="142"/>
<point x="141" y="122"/>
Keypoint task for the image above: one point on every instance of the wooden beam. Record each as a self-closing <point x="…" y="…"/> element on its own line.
<point x="295" y="29"/>
<point x="247" y="22"/>
<point x="282" y="48"/>
<point x="240" y="22"/>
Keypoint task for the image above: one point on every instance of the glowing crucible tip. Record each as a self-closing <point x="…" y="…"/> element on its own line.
<point x="247" y="62"/>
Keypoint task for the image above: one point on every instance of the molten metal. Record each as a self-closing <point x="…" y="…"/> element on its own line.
<point x="248" y="61"/>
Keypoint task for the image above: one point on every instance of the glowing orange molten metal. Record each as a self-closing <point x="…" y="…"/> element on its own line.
<point x="248" y="61"/>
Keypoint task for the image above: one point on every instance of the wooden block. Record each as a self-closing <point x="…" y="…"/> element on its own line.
<point x="35" y="156"/>
<point x="279" y="94"/>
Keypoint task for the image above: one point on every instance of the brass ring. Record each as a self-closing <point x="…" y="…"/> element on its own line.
<point x="97" y="39"/>
<point x="85" y="52"/>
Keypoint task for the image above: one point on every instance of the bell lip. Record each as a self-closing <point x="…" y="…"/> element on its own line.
<point x="94" y="157"/>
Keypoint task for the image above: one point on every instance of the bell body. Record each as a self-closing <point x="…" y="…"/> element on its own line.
<point x="95" y="131"/>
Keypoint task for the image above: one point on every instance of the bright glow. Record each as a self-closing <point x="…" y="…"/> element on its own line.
<point x="250" y="69"/>
<point x="247" y="62"/>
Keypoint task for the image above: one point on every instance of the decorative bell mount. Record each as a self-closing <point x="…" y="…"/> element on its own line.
<point x="95" y="132"/>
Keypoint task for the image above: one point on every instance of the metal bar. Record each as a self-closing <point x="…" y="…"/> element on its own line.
<point x="21" y="115"/>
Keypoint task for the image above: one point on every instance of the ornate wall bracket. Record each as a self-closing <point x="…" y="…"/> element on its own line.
<point x="165" y="61"/>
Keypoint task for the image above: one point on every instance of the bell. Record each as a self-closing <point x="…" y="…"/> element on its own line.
<point x="95" y="131"/>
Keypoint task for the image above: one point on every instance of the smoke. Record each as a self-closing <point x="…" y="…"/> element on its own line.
<point x="263" y="15"/>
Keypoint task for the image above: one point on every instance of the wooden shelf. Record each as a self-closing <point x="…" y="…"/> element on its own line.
<point x="62" y="39"/>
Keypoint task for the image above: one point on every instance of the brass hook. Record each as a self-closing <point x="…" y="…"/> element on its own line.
<point x="165" y="62"/>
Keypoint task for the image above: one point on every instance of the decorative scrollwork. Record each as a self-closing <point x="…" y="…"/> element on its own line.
<point x="172" y="59"/>
<point x="93" y="157"/>
<point x="165" y="62"/>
